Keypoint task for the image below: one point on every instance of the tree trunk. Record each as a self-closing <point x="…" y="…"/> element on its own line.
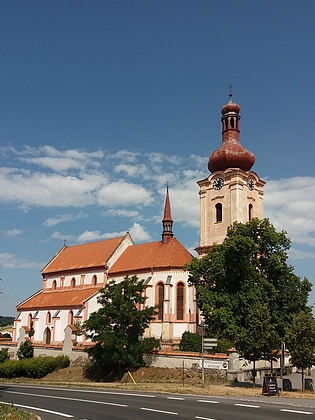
<point x="302" y="379"/>
<point x="254" y="375"/>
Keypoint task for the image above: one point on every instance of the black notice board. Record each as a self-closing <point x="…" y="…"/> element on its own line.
<point x="270" y="386"/>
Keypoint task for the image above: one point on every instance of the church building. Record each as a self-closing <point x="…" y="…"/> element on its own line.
<point x="71" y="280"/>
<point x="73" y="277"/>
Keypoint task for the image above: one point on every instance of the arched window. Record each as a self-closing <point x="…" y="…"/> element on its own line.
<point x="218" y="212"/>
<point x="250" y="212"/>
<point x="48" y="318"/>
<point x="180" y="301"/>
<point x="160" y="300"/>
<point x="232" y="122"/>
<point x="29" y="322"/>
<point x="70" y="318"/>
<point x="94" y="280"/>
<point x="54" y="285"/>
<point x="72" y="284"/>
<point x="47" y="336"/>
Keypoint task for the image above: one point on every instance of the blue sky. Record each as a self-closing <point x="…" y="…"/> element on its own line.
<point x="103" y="102"/>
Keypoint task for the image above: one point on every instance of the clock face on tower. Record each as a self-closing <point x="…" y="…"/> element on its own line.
<point x="250" y="184"/>
<point x="218" y="183"/>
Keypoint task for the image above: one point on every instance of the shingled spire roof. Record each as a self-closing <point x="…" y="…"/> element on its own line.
<point x="167" y="220"/>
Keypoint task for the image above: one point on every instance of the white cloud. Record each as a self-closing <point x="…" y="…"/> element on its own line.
<point x="9" y="261"/>
<point x="297" y="254"/>
<point x="122" y="193"/>
<point x="12" y="232"/>
<point x="139" y="234"/>
<point x="132" y="214"/>
<point x="47" y="190"/>
<point x="125" y="156"/>
<point x="201" y="161"/>
<point x="63" y="238"/>
<point x="76" y="178"/>
<point x="160" y="158"/>
<point x="60" y="218"/>
<point x="132" y="170"/>
<point x="290" y="206"/>
<point x="185" y="203"/>
<point x="60" y="161"/>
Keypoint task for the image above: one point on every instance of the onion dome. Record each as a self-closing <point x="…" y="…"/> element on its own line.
<point x="231" y="154"/>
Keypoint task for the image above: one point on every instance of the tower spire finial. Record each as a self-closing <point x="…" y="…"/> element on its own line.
<point x="167" y="219"/>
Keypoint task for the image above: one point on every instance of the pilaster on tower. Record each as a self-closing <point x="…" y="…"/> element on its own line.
<point x="167" y="220"/>
<point x="232" y="192"/>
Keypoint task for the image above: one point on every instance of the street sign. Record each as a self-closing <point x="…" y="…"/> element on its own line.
<point x="209" y="343"/>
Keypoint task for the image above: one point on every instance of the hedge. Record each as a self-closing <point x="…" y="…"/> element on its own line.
<point x="33" y="368"/>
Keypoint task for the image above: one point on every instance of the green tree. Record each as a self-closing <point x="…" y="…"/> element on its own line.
<point x="25" y="350"/>
<point x="300" y="341"/>
<point x="118" y="326"/>
<point x="245" y="289"/>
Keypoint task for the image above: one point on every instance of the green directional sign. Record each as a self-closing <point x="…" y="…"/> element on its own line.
<point x="209" y="343"/>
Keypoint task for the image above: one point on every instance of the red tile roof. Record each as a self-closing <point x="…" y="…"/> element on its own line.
<point x="58" y="299"/>
<point x="93" y="254"/>
<point x="171" y="255"/>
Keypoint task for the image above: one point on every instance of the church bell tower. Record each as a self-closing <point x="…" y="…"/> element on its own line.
<point x="232" y="192"/>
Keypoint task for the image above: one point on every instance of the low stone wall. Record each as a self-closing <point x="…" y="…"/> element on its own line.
<point x="230" y="367"/>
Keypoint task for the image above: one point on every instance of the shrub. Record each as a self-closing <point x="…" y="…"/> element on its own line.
<point x="223" y="345"/>
<point x="148" y="345"/>
<point x="25" y="351"/>
<point x="4" y="355"/>
<point x="33" y="368"/>
<point x="190" y="342"/>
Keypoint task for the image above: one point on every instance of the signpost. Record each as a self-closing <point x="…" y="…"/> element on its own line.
<point x="207" y="344"/>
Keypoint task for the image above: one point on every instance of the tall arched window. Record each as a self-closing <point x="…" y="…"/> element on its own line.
<point x="29" y="322"/>
<point x="180" y="301"/>
<point x="70" y="318"/>
<point x="47" y="336"/>
<point x="72" y="284"/>
<point x="48" y="318"/>
<point x="250" y="212"/>
<point x="218" y="212"/>
<point x="94" y="280"/>
<point x="160" y="300"/>
<point x="54" y="285"/>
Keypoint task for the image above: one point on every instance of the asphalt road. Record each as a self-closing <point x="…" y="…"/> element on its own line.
<point x="85" y="404"/>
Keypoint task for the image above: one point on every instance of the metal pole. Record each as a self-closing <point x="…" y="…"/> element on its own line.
<point x="203" y="365"/>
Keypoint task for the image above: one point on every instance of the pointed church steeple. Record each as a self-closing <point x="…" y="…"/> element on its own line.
<point x="167" y="220"/>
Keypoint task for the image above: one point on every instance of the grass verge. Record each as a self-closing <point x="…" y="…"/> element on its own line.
<point x="8" y="411"/>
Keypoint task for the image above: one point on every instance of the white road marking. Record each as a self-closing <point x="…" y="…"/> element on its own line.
<point x="210" y="402"/>
<point x="28" y="407"/>
<point x="248" y="405"/>
<point x="87" y="391"/>
<point x="176" y="398"/>
<point x="296" y="412"/>
<point x="159" y="411"/>
<point x="68" y="399"/>
<point x="204" y="418"/>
